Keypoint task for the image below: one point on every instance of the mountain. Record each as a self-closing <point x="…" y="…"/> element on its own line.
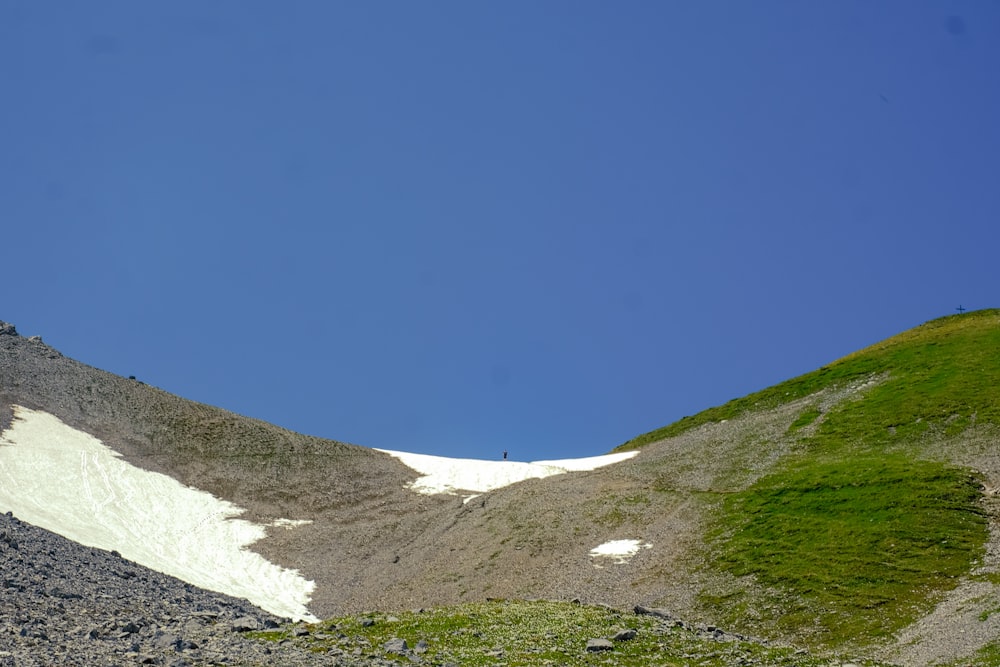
<point x="851" y="507"/>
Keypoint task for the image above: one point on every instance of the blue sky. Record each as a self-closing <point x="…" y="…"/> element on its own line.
<point x="456" y="228"/>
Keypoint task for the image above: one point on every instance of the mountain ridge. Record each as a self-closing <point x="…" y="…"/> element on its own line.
<point x="374" y="544"/>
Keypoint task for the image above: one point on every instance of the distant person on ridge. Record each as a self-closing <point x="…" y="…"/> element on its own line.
<point x="505" y="455"/>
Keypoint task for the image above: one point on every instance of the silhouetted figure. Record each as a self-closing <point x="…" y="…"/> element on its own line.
<point x="505" y="455"/>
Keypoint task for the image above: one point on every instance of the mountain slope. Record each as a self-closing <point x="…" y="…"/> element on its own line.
<point x="837" y="508"/>
<point x="875" y="512"/>
<point x="354" y="496"/>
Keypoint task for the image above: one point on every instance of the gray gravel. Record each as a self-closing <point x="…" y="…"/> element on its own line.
<point x="66" y="604"/>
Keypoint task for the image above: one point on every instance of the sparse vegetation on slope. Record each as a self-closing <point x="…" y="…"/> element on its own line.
<point x="532" y="633"/>
<point x="940" y="374"/>
<point x="859" y="530"/>
<point x="829" y="511"/>
<point x="987" y="656"/>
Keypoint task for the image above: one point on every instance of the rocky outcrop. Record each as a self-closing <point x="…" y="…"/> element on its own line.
<point x="7" y="329"/>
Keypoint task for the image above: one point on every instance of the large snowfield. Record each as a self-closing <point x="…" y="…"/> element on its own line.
<point x="67" y="481"/>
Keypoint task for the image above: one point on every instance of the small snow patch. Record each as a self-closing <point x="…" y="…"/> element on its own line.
<point x="289" y="523"/>
<point x="620" y="550"/>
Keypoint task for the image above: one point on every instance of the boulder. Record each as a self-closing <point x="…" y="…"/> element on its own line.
<point x="396" y="645"/>
<point x="597" y="645"/>
<point x="245" y="624"/>
<point x="653" y="611"/>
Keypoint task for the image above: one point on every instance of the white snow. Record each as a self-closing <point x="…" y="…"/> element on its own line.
<point x="289" y="523"/>
<point x="441" y="474"/>
<point x="69" y="482"/>
<point x="620" y="550"/>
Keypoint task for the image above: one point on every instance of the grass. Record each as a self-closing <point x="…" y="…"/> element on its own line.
<point x="851" y="537"/>
<point x="855" y="535"/>
<point x="808" y="416"/>
<point x="941" y="372"/>
<point x="614" y="511"/>
<point x="987" y="656"/>
<point x="535" y="633"/>
<point x="856" y="547"/>
<point x="985" y="615"/>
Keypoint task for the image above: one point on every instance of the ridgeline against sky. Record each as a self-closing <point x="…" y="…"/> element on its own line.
<point x="852" y="507"/>
<point x="460" y="229"/>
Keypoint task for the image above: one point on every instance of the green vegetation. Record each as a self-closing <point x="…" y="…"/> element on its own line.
<point x="985" y="615"/>
<point x="862" y="526"/>
<point x="987" y="656"/>
<point x="521" y="633"/>
<point x="853" y="548"/>
<point x="855" y="534"/>
<point x="807" y="417"/>
<point x="615" y="511"/>
<point x="941" y="373"/>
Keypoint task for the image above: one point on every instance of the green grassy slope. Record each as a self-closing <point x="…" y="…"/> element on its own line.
<point x="531" y="633"/>
<point x="862" y="527"/>
<point x="946" y="370"/>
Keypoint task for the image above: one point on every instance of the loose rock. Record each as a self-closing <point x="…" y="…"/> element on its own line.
<point x="397" y="646"/>
<point x="596" y="645"/>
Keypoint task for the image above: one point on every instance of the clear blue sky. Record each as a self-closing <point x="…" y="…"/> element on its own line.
<point x="463" y="227"/>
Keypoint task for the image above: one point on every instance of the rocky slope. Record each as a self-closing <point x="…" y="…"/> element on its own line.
<point x="65" y="604"/>
<point x="374" y="545"/>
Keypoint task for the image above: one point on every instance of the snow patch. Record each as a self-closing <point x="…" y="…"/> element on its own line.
<point x="289" y="523"/>
<point x="441" y="474"/>
<point x="620" y="550"/>
<point x="69" y="482"/>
